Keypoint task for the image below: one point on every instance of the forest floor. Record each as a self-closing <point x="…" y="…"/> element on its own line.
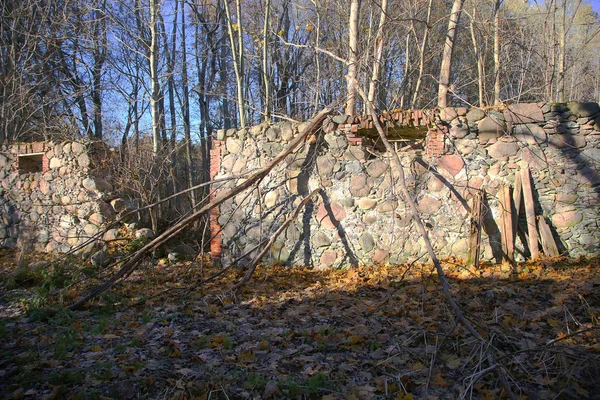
<point x="297" y="333"/>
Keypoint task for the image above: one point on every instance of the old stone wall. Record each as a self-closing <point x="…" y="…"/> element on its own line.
<point x="53" y="195"/>
<point x="358" y="216"/>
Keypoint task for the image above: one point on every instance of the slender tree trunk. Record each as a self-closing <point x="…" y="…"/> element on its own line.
<point x="100" y="44"/>
<point x="185" y="108"/>
<point x="562" y="53"/>
<point x="265" y="63"/>
<point x="445" y="69"/>
<point x="378" y="53"/>
<point x="155" y="84"/>
<point x="406" y="76"/>
<point x="422" y="56"/>
<point x="352" y="74"/>
<point x="497" y="99"/>
<point x="237" y="53"/>
<point x="477" y="51"/>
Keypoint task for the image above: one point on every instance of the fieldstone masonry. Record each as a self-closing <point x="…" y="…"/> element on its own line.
<point x="53" y="206"/>
<point x="359" y="218"/>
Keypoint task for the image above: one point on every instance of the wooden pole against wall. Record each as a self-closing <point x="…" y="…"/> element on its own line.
<point x="506" y="222"/>
<point x="530" y="213"/>
<point x="548" y="243"/>
<point x="475" y="236"/>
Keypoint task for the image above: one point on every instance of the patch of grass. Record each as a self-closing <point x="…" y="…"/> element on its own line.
<point x="135" y="244"/>
<point x="317" y="382"/>
<point x="201" y="342"/>
<point x="66" y="377"/>
<point x="102" y="324"/>
<point x="256" y="382"/>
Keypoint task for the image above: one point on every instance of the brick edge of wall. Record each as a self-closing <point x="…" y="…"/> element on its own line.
<point x="215" y="228"/>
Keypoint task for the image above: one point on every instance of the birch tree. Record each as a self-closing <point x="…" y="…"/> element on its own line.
<point x="445" y="68"/>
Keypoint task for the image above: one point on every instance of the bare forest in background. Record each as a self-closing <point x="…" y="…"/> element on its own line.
<point x="156" y="79"/>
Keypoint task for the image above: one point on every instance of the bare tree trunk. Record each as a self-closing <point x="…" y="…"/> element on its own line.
<point x="406" y="76"/>
<point x="265" y="62"/>
<point x="497" y="100"/>
<point x="237" y="53"/>
<point x="185" y="109"/>
<point x="477" y="51"/>
<point x="100" y="44"/>
<point x="352" y="74"/>
<point x="378" y="53"/>
<point x="444" y="81"/>
<point x="155" y="84"/>
<point x="422" y="56"/>
<point x="562" y="48"/>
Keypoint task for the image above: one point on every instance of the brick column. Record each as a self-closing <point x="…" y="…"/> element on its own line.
<point x="436" y="145"/>
<point x="215" y="228"/>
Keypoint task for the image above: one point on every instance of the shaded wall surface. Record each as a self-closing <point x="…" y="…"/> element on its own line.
<point x="358" y="217"/>
<point x="52" y="195"/>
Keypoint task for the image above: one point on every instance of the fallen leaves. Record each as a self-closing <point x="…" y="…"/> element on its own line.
<point x="296" y="333"/>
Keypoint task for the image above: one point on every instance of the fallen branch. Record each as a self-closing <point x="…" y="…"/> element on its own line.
<point x="421" y="228"/>
<point x="252" y="266"/>
<point x="176" y="229"/>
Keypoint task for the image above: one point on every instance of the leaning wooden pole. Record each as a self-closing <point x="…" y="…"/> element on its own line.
<point x="421" y="228"/>
<point x="530" y="213"/>
<point x="176" y="229"/>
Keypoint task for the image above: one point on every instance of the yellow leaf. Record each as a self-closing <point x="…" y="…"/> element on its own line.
<point x="281" y="32"/>
<point x="552" y="322"/>
<point x="264" y="345"/>
<point x="96" y="348"/>
<point x="417" y="366"/>
<point x="309" y="27"/>
<point x="247" y="357"/>
<point x="440" y="381"/>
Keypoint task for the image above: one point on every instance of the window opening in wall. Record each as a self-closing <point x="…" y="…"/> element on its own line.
<point x="30" y="163"/>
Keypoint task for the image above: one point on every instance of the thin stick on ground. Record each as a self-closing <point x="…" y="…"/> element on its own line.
<point x="176" y="229"/>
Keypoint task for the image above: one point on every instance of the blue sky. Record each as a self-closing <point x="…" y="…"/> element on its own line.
<point x="595" y="4"/>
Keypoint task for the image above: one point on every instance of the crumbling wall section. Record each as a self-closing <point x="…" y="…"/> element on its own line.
<point x="358" y="218"/>
<point x="56" y="205"/>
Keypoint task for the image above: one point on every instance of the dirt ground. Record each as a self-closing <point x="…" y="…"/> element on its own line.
<point x="296" y="333"/>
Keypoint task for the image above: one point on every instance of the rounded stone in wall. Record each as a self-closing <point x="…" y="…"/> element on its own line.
<point x="452" y="164"/>
<point x="360" y="186"/>
<point x="328" y="258"/>
<point x="366" y="203"/>
<point x="77" y="148"/>
<point x="234" y="146"/>
<point x="90" y="229"/>
<point x="96" y="219"/>
<point x="567" y="219"/>
<point x="501" y="150"/>
<point x="331" y="215"/>
<point x="386" y="206"/>
<point x="380" y="256"/>
<point x="320" y="239"/>
<point x="490" y="127"/>
<point x="325" y="165"/>
<point x="377" y="168"/>
<point x="55" y="163"/>
<point x="83" y="160"/>
<point x="429" y="205"/>
<point x="475" y="114"/>
<point x="366" y="242"/>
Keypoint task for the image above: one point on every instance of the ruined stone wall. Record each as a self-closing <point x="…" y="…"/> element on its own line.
<point x="358" y="216"/>
<point x="55" y="205"/>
